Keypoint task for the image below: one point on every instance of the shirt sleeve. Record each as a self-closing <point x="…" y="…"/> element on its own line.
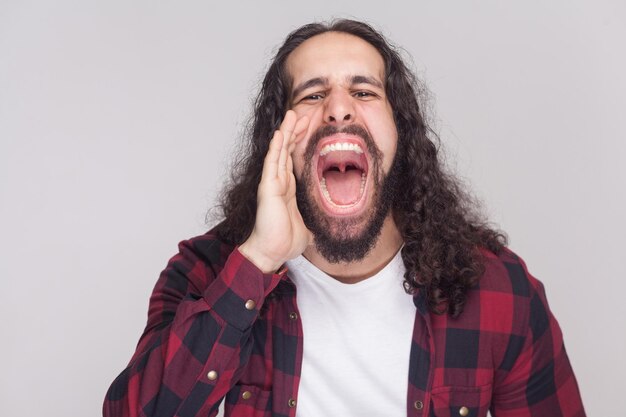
<point x="197" y="338"/>
<point x="541" y="381"/>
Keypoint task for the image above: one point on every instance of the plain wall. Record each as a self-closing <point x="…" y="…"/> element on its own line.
<point x="118" y="118"/>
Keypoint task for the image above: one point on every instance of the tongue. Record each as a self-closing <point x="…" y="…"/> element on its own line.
<point x="344" y="187"/>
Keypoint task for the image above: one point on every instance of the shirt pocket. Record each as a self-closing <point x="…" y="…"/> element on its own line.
<point x="248" y="401"/>
<point x="456" y="401"/>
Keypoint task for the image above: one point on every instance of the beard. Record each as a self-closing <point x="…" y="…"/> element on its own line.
<point x="347" y="239"/>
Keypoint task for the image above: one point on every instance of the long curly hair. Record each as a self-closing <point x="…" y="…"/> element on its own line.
<point x="442" y="230"/>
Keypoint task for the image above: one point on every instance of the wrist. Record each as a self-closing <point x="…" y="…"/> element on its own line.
<point x="260" y="260"/>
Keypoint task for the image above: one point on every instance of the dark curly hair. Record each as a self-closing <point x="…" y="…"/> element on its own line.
<point x="443" y="233"/>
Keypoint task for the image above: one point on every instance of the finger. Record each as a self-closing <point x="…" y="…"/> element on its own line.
<point x="270" y="166"/>
<point x="288" y="124"/>
<point x="299" y="131"/>
<point x="284" y="156"/>
<point x="301" y="127"/>
<point x="289" y="163"/>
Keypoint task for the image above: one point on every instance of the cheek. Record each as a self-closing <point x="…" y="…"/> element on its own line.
<point x="382" y="127"/>
<point x="314" y="113"/>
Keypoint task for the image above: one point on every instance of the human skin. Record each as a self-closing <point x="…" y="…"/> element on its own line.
<point x="343" y="80"/>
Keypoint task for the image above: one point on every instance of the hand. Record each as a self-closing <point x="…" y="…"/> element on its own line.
<point x="279" y="232"/>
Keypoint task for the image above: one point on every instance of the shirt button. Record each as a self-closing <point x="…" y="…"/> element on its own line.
<point x="250" y="304"/>
<point x="212" y="375"/>
<point x="246" y="395"/>
<point x="418" y="405"/>
<point x="291" y="403"/>
<point x="463" y="411"/>
<point x="293" y="316"/>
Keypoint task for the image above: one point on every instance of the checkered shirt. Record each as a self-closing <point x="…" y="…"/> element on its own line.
<point x="218" y="328"/>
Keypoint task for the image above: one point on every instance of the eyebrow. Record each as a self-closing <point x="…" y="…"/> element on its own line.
<point x="313" y="82"/>
<point x="362" y="79"/>
<point x="323" y="81"/>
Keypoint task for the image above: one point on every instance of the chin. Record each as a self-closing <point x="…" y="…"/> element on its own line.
<point x="342" y="238"/>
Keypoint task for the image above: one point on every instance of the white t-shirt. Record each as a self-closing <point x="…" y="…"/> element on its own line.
<point x="357" y="342"/>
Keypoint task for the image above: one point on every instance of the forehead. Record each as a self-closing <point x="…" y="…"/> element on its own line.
<point x="334" y="55"/>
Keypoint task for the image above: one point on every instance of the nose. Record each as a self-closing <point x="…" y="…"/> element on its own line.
<point x="339" y="109"/>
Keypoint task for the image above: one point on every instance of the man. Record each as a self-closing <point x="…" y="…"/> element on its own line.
<point x="348" y="276"/>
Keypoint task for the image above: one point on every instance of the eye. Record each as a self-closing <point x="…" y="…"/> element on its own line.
<point x="363" y="94"/>
<point x="313" y="97"/>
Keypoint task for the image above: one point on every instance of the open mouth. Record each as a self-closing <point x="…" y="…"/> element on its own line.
<point x="342" y="168"/>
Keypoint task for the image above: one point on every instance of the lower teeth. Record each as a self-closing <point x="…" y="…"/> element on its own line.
<point x="330" y="200"/>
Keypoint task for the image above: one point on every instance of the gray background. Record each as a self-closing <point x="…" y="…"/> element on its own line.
<point x="117" y="120"/>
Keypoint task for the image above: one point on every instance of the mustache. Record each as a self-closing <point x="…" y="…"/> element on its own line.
<point x="352" y="129"/>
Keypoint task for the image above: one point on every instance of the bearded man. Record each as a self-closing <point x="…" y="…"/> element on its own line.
<point x="349" y="275"/>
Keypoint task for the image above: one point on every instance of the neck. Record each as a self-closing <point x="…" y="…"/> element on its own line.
<point x="385" y="248"/>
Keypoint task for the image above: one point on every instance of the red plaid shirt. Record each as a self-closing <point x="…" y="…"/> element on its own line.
<point x="220" y="328"/>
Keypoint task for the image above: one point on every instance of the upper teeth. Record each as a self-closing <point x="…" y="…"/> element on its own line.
<point x="341" y="147"/>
